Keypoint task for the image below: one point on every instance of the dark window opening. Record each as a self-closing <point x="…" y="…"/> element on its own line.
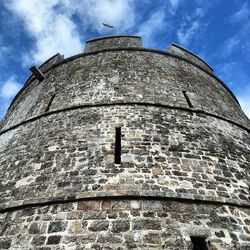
<point x="50" y="102"/>
<point x="190" y="105"/>
<point x="199" y="243"/>
<point x="118" y="145"/>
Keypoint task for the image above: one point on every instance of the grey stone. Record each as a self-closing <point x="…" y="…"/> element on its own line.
<point x="57" y="226"/>
<point x="121" y="226"/>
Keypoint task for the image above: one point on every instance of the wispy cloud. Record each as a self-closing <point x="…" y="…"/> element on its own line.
<point x="243" y="14"/>
<point x="159" y="24"/>
<point x="185" y="34"/>
<point x="174" y="5"/>
<point x="239" y="41"/>
<point x="191" y="26"/>
<point x="229" y="45"/>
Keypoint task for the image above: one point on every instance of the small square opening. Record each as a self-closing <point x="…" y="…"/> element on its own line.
<point x="199" y="243"/>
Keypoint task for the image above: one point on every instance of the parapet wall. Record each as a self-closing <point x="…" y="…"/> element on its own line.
<point x="186" y="54"/>
<point x="112" y="42"/>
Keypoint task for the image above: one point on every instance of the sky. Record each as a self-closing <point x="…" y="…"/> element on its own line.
<point x="218" y="31"/>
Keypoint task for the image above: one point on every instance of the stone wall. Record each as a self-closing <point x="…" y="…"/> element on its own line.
<point x="184" y="156"/>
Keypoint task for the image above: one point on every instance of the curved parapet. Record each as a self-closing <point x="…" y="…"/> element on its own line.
<point x="123" y="145"/>
<point x="184" y="53"/>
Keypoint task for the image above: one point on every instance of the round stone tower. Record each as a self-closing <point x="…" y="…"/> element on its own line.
<point x="123" y="147"/>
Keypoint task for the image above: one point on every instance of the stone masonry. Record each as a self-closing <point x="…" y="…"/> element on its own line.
<point x="185" y="154"/>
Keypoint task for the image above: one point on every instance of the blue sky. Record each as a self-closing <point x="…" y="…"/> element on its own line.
<point x="31" y="31"/>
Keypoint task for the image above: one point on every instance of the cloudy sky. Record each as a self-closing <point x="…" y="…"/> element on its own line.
<point x="31" y="31"/>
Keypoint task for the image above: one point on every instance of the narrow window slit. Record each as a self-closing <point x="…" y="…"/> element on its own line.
<point x="190" y="105"/>
<point x="118" y="145"/>
<point x="50" y="102"/>
<point x="199" y="243"/>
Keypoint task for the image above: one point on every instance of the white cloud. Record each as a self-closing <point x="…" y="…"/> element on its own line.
<point x="51" y="30"/>
<point x="244" y="99"/>
<point x="9" y="88"/>
<point x="245" y="104"/>
<point x="52" y="26"/>
<point x="174" y="5"/>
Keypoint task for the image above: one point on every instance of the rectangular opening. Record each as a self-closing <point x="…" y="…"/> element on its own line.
<point x="118" y="145"/>
<point x="50" y="102"/>
<point x="199" y="243"/>
<point x="187" y="99"/>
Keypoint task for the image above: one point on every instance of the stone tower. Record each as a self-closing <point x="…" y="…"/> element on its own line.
<point x="123" y="147"/>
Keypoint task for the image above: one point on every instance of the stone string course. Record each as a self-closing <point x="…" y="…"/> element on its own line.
<point x="183" y="173"/>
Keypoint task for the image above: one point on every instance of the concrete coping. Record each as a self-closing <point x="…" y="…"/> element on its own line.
<point x="111" y="37"/>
